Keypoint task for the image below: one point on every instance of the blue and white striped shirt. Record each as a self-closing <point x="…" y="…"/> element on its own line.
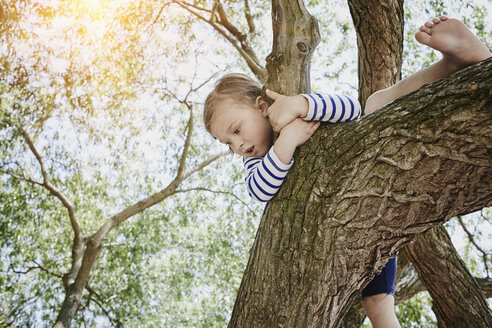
<point x="264" y="175"/>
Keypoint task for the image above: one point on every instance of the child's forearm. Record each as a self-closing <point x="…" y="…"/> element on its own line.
<point x="284" y="148"/>
<point x="292" y="135"/>
<point x="264" y="176"/>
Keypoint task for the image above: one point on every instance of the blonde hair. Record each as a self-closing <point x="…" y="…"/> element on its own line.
<point x="238" y="86"/>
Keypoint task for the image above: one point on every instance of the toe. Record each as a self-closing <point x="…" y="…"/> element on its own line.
<point x="429" y="24"/>
<point x="425" y="29"/>
<point x="443" y="18"/>
<point x="436" y="20"/>
<point x="423" y="37"/>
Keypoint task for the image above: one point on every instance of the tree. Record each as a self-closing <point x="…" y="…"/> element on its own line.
<point x="306" y="244"/>
<point x="60" y="207"/>
<point x="78" y="190"/>
<point x="297" y="274"/>
<point x="382" y="49"/>
<point x="440" y="281"/>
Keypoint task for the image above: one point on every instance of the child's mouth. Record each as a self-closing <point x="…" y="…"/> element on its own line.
<point x="250" y="150"/>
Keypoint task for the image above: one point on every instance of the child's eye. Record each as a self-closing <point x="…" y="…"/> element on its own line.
<point x="237" y="130"/>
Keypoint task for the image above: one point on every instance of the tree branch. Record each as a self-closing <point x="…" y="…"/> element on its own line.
<point x="158" y="15"/>
<point x="204" y="164"/>
<point x="148" y="202"/>
<point x="244" y="50"/>
<point x="37" y="266"/>
<point x="457" y="299"/>
<point x="249" y="17"/>
<point x="53" y="190"/>
<point x="78" y="241"/>
<point x="184" y="154"/>
<point x="472" y="240"/>
<point x="22" y="178"/>
<point x="114" y="322"/>
<point x="224" y="21"/>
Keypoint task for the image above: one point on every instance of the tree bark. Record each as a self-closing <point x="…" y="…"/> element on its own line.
<point x="359" y="191"/>
<point x="379" y="28"/>
<point x="295" y="36"/>
<point x="457" y="299"/>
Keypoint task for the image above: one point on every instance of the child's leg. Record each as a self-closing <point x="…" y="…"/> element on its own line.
<point x="378" y="298"/>
<point x="381" y="311"/>
<point x="459" y="46"/>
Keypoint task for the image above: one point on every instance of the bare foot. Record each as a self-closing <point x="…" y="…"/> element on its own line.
<point x="459" y="46"/>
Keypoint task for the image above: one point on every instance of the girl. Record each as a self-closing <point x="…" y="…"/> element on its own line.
<point x="237" y="116"/>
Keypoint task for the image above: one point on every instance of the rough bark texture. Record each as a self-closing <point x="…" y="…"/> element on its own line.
<point x="360" y="191"/>
<point x="295" y="36"/>
<point x="485" y="286"/>
<point x="379" y="27"/>
<point x="457" y="299"/>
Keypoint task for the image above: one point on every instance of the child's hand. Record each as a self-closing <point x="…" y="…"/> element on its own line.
<point x="285" y="109"/>
<point x="299" y="131"/>
<point x="292" y="135"/>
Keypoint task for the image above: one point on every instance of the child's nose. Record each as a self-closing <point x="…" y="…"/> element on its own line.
<point x="238" y="142"/>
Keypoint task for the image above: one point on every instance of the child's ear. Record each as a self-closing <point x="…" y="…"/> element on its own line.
<point x="262" y="105"/>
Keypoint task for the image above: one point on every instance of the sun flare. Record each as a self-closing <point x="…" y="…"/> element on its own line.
<point x="91" y="6"/>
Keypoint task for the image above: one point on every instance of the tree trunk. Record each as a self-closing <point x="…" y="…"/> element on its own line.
<point x="457" y="299"/>
<point x="379" y="27"/>
<point x="75" y="290"/>
<point x="295" y="36"/>
<point x="358" y="192"/>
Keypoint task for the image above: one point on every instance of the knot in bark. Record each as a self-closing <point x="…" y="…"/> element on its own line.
<point x="303" y="48"/>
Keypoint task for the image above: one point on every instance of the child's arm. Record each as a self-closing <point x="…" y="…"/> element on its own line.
<point x="291" y="136"/>
<point x="265" y="175"/>
<point x="311" y="107"/>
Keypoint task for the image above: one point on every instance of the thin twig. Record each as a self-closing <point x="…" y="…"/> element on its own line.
<point x="218" y="192"/>
<point x="158" y="15"/>
<point x="114" y="322"/>
<point x="196" y="7"/>
<point x="22" y="178"/>
<point x="38" y="266"/>
<point x="204" y="164"/>
<point x="42" y="268"/>
<point x="245" y="51"/>
<point x="249" y="17"/>
<point x="472" y="240"/>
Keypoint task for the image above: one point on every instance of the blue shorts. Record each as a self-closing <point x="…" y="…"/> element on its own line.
<point x="383" y="283"/>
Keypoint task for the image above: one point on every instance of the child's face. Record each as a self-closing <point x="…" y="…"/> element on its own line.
<point x="243" y="127"/>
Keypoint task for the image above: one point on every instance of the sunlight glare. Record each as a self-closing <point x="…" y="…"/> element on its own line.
<point x="92" y="7"/>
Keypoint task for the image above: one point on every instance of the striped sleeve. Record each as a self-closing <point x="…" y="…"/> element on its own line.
<point x="331" y="108"/>
<point x="264" y="175"/>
